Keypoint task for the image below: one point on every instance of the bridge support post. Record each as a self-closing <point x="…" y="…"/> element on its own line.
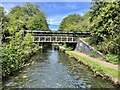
<point x="61" y="39"/>
<point x="67" y="39"/>
<point x="56" y="38"/>
<point x="72" y="39"/>
<point x="39" y="39"/>
<point x="38" y="43"/>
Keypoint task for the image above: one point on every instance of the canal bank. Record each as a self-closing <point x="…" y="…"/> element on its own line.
<point x="105" y="70"/>
<point x="53" y="69"/>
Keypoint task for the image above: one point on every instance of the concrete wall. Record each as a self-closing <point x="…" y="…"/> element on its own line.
<point x="82" y="46"/>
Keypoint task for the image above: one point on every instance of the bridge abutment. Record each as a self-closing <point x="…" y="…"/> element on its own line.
<point x="83" y="47"/>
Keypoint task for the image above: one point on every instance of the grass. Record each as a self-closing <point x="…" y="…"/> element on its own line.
<point x="63" y="48"/>
<point x="112" y="59"/>
<point x="96" y="65"/>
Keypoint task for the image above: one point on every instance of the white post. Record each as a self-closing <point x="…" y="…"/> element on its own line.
<point x="50" y="38"/>
<point x="39" y="39"/>
<point x="67" y="39"/>
<point x="72" y="39"/>
<point x="45" y="38"/>
<point x="55" y="38"/>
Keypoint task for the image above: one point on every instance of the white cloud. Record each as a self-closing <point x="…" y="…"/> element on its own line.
<point x="46" y="0"/>
<point x="71" y="6"/>
<point x="8" y="7"/>
<point x="56" y="20"/>
<point x="79" y="12"/>
<point x="7" y="11"/>
<point x="65" y="6"/>
<point x="1" y="4"/>
<point x="54" y="29"/>
<point x="55" y="6"/>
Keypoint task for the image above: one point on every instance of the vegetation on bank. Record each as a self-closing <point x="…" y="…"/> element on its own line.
<point x="95" y="65"/>
<point x="112" y="58"/>
<point x="102" y="20"/>
<point x="97" y="68"/>
<point x="17" y="52"/>
<point x="17" y="47"/>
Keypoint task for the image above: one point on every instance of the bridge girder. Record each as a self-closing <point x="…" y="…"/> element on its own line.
<point x="57" y="32"/>
<point x="56" y="36"/>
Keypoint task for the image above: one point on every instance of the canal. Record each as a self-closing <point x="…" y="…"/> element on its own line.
<point x="54" y="69"/>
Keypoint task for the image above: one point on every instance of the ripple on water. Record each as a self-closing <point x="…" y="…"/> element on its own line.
<point x="9" y="84"/>
<point x="80" y="82"/>
<point x="76" y="77"/>
<point x="54" y="70"/>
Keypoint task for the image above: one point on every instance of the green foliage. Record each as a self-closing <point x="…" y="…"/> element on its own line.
<point x="75" y="22"/>
<point x="105" y="28"/>
<point x="103" y="21"/>
<point x="84" y="24"/>
<point x="69" y="23"/>
<point x="68" y="47"/>
<point x="16" y="49"/>
<point x="112" y="58"/>
<point x="1" y="12"/>
<point x="15" y="54"/>
<point x="97" y="67"/>
<point x="2" y="17"/>
<point x="37" y="23"/>
<point x="27" y="17"/>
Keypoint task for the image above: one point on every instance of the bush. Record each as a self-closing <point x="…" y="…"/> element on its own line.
<point x="16" y="53"/>
<point x="112" y="58"/>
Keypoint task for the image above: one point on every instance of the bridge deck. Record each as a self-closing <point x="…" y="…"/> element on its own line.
<point x="57" y="32"/>
<point x="56" y="36"/>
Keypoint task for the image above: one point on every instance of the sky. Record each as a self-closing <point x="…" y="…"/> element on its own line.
<point x="54" y="11"/>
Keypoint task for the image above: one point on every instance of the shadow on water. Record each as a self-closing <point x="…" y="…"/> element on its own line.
<point x="53" y="69"/>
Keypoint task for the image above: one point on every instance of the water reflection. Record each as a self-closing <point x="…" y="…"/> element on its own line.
<point x="53" y="69"/>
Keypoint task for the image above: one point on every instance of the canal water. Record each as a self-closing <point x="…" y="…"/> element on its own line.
<point x="53" y="69"/>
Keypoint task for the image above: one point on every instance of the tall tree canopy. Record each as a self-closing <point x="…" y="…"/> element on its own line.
<point x="16" y="49"/>
<point x="103" y="21"/>
<point x="105" y="26"/>
<point x="75" y="22"/>
<point x="69" y="22"/>
<point x="84" y="24"/>
<point x="28" y="17"/>
<point x="1" y="12"/>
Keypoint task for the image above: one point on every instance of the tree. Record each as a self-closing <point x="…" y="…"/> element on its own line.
<point x="16" y="49"/>
<point x="105" y="20"/>
<point x="69" y="22"/>
<point x="84" y="24"/>
<point x="2" y="13"/>
<point x="26" y="17"/>
<point x="1" y="20"/>
<point x="37" y="23"/>
<point x="75" y="22"/>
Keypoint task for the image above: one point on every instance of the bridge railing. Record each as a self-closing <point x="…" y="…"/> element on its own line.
<point x="54" y="39"/>
<point x="56" y="36"/>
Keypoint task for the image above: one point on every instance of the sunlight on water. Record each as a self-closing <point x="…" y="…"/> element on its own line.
<point x="53" y="69"/>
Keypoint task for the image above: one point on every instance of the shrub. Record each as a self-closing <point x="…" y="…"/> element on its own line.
<point x="112" y="58"/>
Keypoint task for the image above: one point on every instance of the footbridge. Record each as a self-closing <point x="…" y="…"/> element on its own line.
<point x="56" y="36"/>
